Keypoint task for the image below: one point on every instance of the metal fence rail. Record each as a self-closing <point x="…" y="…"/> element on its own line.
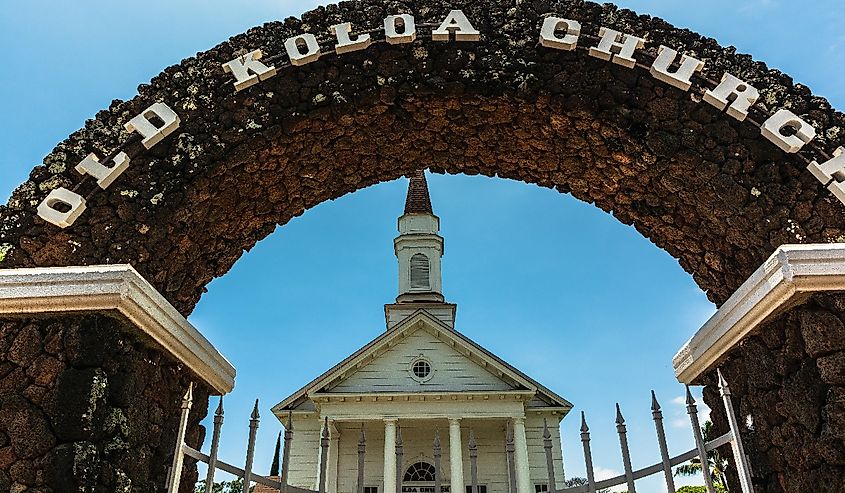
<point x="666" y="464"/>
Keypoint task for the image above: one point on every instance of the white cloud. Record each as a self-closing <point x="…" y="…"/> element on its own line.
<point x="607" y="473"/>
<point x="680" y="400"/>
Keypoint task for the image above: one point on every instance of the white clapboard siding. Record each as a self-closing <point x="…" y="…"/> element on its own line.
<point x="453" y="371"/>
<point x="537" y="453"/>
<point x="304" y="451"/>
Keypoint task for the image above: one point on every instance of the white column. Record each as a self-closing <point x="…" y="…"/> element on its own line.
<point x="523" y="474"/>
<point x="390" y="455"/>
<point x="334" y="452"/>
<point x="456" y="456"/>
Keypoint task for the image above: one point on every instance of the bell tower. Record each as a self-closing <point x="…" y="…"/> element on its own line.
<point x="418" y="249"/>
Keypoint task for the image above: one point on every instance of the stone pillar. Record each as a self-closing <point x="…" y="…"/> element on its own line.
<point x="85" y="406"/>
<point x="523" y="476"/>
<point x="334" y="451"/>
<point x="390" y="455"/>
<point x="456" y="456"/>
<point x="788" y="391"/>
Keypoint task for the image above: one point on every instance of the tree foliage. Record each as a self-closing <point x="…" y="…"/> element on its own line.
<point x="234" y="486"/>
<point x="576" y="481"/>
<point x="274" y="467"/>
<point x="716" y="462"/>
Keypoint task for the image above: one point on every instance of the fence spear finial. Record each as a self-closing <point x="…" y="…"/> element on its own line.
<point x="254" y="414"/>
<point x="690" y="399"/>
<point x="655" y="406"/>
<point x="290" y="420"/>
<point x="584" y="427"/>
<point x="219" y="411"/>
<point x="723" y="384"/>
<point x="188" y="398"/>
<point x="546" y="434"/>
<point x="619" y="419"/>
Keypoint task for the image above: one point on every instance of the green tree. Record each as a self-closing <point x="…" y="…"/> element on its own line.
<point x="234" y="486"/>
<point x="576" y="481"/>
<point x="691" y="489"/>
<point x="274" y="467"/>
<point x="717" y="463"/>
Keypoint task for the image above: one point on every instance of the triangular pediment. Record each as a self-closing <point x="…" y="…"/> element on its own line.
<point x="449" y="365"/>
<point x="458" y="364"/>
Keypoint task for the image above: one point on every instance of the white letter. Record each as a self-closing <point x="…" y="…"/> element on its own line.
<point x="74" y="202"/>
<point x="248" y="70"/>
<point x="458" y="23"/>
<point x="104" y="175"/>
<point x="295" y="44"/>
<point x="804" y="132"/>
<point x="681" y="78"/>
<point x="730" y="89"/>
<point x="620" y="47"/>
<point x="832" y="173"/>
<point x="344" y="43"/>
<point x="549" y="39"/>
<point x="409" y="29"/>
<point x="152" y="134"/>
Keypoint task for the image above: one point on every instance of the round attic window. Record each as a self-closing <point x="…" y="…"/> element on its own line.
<point x="420" y="369"/>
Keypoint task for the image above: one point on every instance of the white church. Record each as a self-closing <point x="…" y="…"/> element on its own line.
<point x="419" y="379"/>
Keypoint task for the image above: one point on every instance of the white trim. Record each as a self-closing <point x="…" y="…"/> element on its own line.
<point x="787" y="278"/>
<point x="116" y="287"/>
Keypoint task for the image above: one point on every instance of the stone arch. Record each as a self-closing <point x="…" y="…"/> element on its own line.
<point x="708" y="189"/>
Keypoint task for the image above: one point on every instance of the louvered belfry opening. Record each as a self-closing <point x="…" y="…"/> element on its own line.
<point x="420" y="272"/>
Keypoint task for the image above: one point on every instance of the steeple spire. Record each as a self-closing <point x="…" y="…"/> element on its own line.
<point x="418" y="250"/>
<point x="418" y="201"/>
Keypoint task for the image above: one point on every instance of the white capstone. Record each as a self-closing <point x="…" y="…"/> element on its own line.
<point x="732" y="91"/>
<point x="105" y="175"/>
<point x="832" y="173"/>
<point x="456" y="22"/>
<point x="617" y="47"/>
<point x="782" y="119"/>
<point x="392" y="25"/>
<point x="120" y="288"/>
<point x="345" y="44"/>
<point x="295" y="46"/>
<point x="792" y="274"/>
<point x="248" y="70"/>
<point x="681" y="78"/>
<point x="568" y="41"/>
<point x="150" y="132"/>
<point x="73" y="201"/>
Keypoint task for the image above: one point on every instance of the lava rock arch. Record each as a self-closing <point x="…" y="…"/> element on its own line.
<point x="708" y="189"/>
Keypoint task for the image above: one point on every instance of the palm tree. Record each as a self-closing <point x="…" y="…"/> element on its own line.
<point x="717" y="463"/>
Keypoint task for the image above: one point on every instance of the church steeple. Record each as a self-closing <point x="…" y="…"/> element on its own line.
<point x="418" y="249"/>
<point x="418" y="246"/>
<point x="418" y="201"/>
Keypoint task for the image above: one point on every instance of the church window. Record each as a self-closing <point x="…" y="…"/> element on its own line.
<point x="482" y="488"/>
<point x="541" y="488"/>
<point x="370" y="489"/>
<point x="419" y="271"/>
<point x="420" y="369"/>
<point x="419" y="472"/>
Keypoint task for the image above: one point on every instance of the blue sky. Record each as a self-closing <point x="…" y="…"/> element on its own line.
<point x="554" y="286"/>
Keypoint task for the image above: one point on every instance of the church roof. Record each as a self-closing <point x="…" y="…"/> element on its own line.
<point x="544" y="397"/>
<point x="418" y="201"/>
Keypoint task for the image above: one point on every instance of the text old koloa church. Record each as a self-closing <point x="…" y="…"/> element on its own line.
<point x="419" y="383"/>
